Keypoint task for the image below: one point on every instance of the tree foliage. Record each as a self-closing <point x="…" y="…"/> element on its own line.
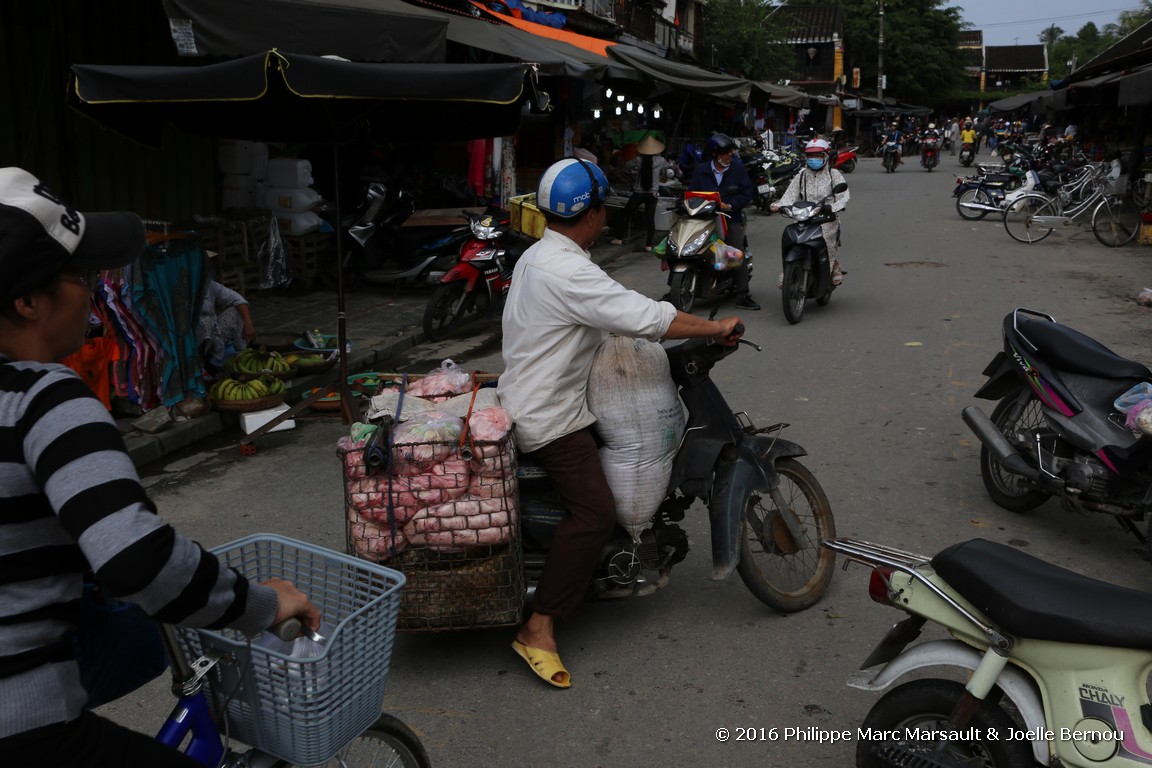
<point x="736" y="40"/>
<point x="1067" y="52"/>
<point x="921" y="59"/>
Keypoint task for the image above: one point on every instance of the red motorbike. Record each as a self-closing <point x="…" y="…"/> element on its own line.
<point x="480" y="279"/>
<point x="930" y="152"/>
<point x="845" y="160"/>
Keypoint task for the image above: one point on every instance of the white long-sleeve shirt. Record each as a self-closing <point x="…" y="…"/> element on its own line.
<point x="559" y="308"/>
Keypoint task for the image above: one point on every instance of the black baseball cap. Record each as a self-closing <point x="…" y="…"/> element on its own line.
<point x="41" y="235"/>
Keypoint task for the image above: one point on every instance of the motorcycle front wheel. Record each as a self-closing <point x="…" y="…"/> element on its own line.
<point x="682" y="289"/>
<point x="782" y="573"/>
<point x="446" y="309"/>
<point x="794" y="291"/>
<point x="924" y="706"/>
<point x="1010" y="491"/>
<point x="973" y="195"/>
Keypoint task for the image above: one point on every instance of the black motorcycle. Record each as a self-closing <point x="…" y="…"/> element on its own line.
<point x="1055" y="431"/>
<point x="771" y="172"/>
<point x="767" y="511"/>
<point x="383" y="251"/>
<point x="807" y="271"/>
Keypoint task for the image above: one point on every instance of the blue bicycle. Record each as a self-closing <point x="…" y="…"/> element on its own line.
<point x="322" y="708"/>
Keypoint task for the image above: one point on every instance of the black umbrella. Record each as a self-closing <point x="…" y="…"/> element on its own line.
<point x="277" y="96"/>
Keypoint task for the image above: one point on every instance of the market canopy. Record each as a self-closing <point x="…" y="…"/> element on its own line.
<point x="778" y="94"/>
<point x="278" y="96"/>
<point x="358" y="30"/>
<point x="683" y="76"/>
<point x="1020" y="100"/>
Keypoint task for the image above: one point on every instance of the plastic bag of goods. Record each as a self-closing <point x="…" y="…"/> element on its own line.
<point x="447" y="380"/>
<point x="426" y="438"/>
<point x="640" y="419"/>
<point x="726" y="256"/>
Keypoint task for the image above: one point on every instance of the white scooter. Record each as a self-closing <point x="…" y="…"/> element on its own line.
<point x="1047" y="667"/>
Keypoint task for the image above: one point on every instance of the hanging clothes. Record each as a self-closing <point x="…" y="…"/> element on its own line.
<point x="94" y="361"/>
<point x="167" y="291"/>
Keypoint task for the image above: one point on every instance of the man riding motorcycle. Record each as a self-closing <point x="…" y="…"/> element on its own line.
<point x="815" y="183"/>
<point x="896" y="136"/>
<point x="930" y="132"/>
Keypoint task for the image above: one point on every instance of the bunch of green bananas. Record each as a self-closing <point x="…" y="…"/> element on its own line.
<point x="253" y="389"/>
<point x="252" y="360"/>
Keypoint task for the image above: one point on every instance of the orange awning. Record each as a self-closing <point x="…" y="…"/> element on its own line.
<point x="591" y="44"/>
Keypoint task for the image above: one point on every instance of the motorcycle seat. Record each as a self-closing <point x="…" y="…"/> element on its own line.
<point x="1069" y="350"/>
<point x="1027" y="597"/>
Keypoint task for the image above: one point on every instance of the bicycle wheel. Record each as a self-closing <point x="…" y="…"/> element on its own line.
<point x="977" y="196"/>
<point x="1019" y="214"/>
<point x="387" y="743"/>
<point x="1116" y="221"/>
<point x="785" y="574"/>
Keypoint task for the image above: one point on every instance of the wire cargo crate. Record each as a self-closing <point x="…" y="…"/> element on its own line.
<point x="452" y="529"/>
<point x="304" y="710"/>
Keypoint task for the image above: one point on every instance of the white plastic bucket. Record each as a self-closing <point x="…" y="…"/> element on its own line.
<point x="291" y="199"/>
<point x="295" y="224"/>
<point x="234" y="156"/>
<point x="238" y="191"/>
<point x="289" y="172"/>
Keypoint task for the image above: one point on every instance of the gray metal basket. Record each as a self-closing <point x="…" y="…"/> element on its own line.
<point x="304" y="710"/>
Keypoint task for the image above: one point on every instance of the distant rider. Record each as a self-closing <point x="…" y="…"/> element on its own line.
<point x="930" y="132"/>
<point x="896" y="136"/>
<point x="814" y="183"/>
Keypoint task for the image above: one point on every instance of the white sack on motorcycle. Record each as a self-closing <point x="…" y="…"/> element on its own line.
<point x="639" y="417"/>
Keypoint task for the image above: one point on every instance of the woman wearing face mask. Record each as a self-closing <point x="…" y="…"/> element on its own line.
<point x="814" y="183"/>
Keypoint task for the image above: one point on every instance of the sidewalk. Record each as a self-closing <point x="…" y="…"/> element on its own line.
<point x="381" y="323"/>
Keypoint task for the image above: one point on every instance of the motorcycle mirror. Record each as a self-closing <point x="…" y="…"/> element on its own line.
<point x="841" y="187"/>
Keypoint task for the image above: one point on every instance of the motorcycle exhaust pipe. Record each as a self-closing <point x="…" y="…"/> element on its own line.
<point x="995" y="441"/>
<point x="981" y="207"/>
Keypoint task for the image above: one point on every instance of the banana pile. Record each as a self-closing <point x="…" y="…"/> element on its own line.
<point x="252" y="361"/>
<point x="253" y="389"/>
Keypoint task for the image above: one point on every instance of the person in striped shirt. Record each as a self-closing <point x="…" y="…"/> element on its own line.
<point x="71" y="501"/>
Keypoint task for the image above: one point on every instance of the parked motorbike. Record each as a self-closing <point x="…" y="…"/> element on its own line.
<point x="929" y="152"/>
<point x="1052" y="665"/>
<point x="807" y="271"/>
<point x="480" y="279"/>
<point x="1055" y="431"/>
<point x="699" y="264"/>
<point x="891" y="154"/>
<point x="845" y="161"/>
<point x="967" y="154"/>
<point x="382" y="253"/>
<point x="767" y="510"/>
<point x="977" y="196"/>
<point x="771" y="173"/>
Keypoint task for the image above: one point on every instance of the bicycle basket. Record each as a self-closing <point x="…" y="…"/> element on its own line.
<point x="304" y="710"/>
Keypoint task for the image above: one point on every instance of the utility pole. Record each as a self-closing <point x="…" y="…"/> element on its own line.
<point x="880" y="65"/>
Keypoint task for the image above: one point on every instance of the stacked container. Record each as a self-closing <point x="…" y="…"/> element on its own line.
<point x="290" y="196"/>
<point x="245" y="166"/>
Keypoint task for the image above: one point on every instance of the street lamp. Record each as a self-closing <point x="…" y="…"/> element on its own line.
<point x="880" y="64"/>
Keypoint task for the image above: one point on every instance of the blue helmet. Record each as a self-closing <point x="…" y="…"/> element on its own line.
<point x="570" y="186"/>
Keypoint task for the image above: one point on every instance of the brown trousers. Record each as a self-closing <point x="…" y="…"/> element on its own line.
<point x="574" y="469"/>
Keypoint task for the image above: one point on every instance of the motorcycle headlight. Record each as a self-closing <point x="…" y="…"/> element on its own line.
<point x="695" y="244"/>
<point x="485" y="232"/>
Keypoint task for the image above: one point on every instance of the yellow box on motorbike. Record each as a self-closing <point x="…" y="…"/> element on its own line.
<point x="526" y="217"/>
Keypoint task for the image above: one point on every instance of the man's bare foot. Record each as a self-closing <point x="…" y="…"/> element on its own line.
<point x="536" y="632"/>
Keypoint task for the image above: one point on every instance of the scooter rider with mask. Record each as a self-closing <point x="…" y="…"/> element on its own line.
<point x="814" y="183"/>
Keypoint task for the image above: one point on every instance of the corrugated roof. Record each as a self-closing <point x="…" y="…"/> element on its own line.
<point x="808" y="23"/>
<point x="1015" y="58"/>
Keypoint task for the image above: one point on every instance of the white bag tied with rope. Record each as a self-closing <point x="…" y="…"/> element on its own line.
<point x="640" y="419"/>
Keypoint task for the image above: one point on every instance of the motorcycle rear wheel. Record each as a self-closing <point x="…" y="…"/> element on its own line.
<point x="926" y="705"/>
<point x="788" y="576"/>
<point x="794" y="291"/>
<point x="977" y="195"/>
<point x="446" y="309"/>
<point x="848" y="167"/>
<point x="1009" y="491"/>
<point x="1019" y="214"/>
<point x="682" y="289"/>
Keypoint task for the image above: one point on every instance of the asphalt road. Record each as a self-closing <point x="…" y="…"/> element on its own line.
<point x="872" y="386"/>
